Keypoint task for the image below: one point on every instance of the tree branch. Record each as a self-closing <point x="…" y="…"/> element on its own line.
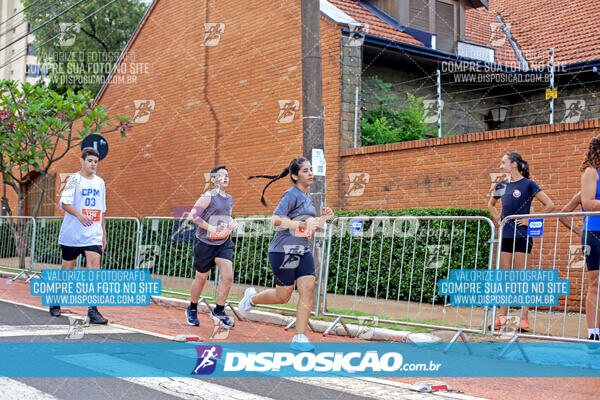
<point x="19" y="110"/>
<point x="92" y="34"/>
<point x="69" y="147"/>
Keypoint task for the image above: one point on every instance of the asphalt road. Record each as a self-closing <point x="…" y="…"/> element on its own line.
<point x="20" y="323"/>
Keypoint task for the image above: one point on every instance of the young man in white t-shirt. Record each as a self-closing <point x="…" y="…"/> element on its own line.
<point x="83" y="231"/>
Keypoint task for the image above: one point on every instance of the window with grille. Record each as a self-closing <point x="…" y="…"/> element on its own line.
<point x="32" y="191"/>
<point x="445" y="26"/>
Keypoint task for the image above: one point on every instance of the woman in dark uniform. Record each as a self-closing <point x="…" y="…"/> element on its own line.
<point x="516" y="195"/>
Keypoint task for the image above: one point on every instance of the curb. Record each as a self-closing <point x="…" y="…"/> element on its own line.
<point x="363" y="332"/>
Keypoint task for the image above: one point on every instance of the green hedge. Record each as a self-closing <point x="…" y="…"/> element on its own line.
<point x="389" y="260"/>
<point x="164" y="255"/>
<point x="8" y="246"/>
<point x="47" y="249"/>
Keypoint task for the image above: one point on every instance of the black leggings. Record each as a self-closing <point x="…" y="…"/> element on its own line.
<point x="590" y="245"/>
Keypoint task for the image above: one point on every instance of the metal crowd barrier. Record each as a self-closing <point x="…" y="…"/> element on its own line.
<point x="386" y="270"/>
<point x="558" y="248"/>
<point x="17" y="244"/>
<point x="166" y="248"/>
<point x="375" y="269"/>
<point x="121" y="250"/>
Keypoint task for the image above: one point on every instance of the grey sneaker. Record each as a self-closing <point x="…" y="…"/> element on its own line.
<point x="245" y="304"/>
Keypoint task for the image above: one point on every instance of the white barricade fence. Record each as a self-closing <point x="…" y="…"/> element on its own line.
<point x="166" y="248"/>
<point x="548" y="247"/>
<point x="121" y="252"/>
<point x="386" y="270"/>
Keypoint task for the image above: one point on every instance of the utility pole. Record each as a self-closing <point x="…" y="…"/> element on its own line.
<point x="439" y="102"/>
<point x="552" y="85"/>
<point x="313" y="124"/>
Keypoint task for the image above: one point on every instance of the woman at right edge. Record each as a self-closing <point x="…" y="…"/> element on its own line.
<point x="590" y="239"/>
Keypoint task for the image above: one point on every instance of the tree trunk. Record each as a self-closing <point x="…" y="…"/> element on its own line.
<point x="21" y="231"/>
<point x="38" y="202"/>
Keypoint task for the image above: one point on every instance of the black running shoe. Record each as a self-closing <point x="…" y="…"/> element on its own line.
<point x="55" y="311"/>
<point x="192" y="317"/>
<point x="96" y="317"/>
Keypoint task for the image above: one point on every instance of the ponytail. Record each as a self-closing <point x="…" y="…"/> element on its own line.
<point x="522" y="165"/>
<point x="272" y="178"/>
<point x="524" y="168"/>
<point x="292" y="169"/>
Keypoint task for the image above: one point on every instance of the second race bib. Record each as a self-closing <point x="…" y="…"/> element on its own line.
<point x="222" y="235"/>
<point x="301" y="232"/>
<point x="93" y="214"/>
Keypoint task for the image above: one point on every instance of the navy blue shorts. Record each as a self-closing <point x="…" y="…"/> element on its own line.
<point x="70" y="253"/>
<point x="590" y="245"/>
<point x="518" y="245"/>
<point x="289" y="267"/>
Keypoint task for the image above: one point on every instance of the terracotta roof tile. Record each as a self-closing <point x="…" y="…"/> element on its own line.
<point x="481" y="28"/>
<point x="570" y="26"/>
<point x="377" y="27"/>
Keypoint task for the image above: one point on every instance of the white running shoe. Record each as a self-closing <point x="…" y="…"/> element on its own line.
<point x="245" y="304"/>
<point x="300" y="343"/>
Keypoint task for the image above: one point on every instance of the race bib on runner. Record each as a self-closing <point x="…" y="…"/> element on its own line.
<point x="93" y="214"/>
<point x="301" y="232"/>
<point x="222" y="235"/>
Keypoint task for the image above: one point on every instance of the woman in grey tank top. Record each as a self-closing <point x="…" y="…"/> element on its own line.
<point x="212" y="246"/>
<point x="289" y="252"/>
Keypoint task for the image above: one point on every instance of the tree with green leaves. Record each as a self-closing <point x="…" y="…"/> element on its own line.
<point x="38" y="127"/>
<point x="78" y="49"/>
<point x="392" y="119"/>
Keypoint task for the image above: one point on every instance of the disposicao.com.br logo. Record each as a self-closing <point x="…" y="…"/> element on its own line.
<point x="222" y="361"/>
<point x="352" y="362"/>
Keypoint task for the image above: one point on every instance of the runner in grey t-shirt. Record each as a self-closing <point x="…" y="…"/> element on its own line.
<point x="289" y="251"/>
<point x="297" y="206"/>
<point x="212" y="246"/>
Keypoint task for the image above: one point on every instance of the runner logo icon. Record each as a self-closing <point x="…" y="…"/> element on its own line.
<point x="207" y="359"/>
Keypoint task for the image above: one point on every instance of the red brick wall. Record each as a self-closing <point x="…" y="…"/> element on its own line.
<point x="213" y="105"/>
<point x="455" y="171"/>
